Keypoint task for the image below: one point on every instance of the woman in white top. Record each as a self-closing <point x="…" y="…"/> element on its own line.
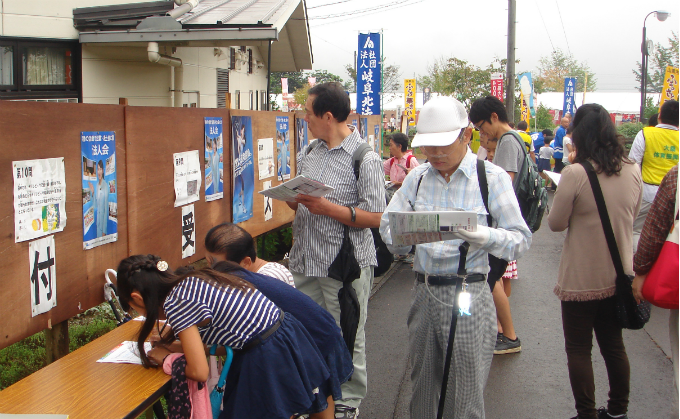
<point x="230" y="242"/>
<point x="568" y="145"/>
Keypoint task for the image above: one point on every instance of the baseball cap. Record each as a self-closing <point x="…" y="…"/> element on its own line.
<point x="440" y="122"/>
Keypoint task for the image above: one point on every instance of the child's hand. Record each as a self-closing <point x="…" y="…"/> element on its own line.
<point x="157" y="355"/>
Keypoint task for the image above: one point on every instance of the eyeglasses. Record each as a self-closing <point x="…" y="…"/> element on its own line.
<point x="430" y="150"/>
<point x="479" y="128"/>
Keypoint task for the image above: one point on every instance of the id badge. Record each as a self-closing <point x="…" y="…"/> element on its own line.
<point x="464" y="299"/>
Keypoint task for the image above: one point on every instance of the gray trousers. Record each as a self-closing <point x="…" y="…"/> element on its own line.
<point x="429" y="322"/>
<point x="325" y="292"/>
<point x="639" y="222"/>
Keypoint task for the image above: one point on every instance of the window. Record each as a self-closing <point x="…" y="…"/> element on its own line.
<point x="37" y="69"/>
<point x="263" y="100"/>
<point x="257" y="97"/>
<point x="232" y="58"/>
<point x="250" y="100"/>
<point x="250" y="61"/>
<point x="237" y="99"/>
<point x="222" y="87"/>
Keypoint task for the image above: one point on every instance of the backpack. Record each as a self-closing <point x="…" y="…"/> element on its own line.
<point x="408" y="161"/>
<point x="382" y="253"/>
<point x="531" y="196"/>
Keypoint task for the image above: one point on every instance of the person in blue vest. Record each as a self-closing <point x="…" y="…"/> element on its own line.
<point x="559" y="138"/>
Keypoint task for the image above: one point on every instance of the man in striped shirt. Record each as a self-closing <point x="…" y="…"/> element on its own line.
<point x="318" y="229"/>
<point x="449" y="182"/>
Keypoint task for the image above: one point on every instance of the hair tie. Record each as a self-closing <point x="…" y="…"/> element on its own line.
<point x="162" y="265"/>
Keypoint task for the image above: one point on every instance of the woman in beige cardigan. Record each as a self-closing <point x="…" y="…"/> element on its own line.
<point x="586" y="278"/>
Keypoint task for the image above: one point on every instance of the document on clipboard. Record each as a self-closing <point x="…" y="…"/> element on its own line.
<point x="287" y="191"/>
<point x="417" y="227"/>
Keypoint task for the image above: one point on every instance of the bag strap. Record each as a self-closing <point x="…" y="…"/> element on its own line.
<point x="524" y="161"/>
<point x="484" y="189"/>
<point x="408" y="161"/>
<point x="604" y="217"/>
<point x="225" y="367"/>
<point x="391" y="161"/>
<point x="358" y="157"/>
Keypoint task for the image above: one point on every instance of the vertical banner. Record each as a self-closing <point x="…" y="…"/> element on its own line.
<point x="284" y="94"/>
<point x="301" y="130"/>
<point x="368" y="74"/>
<point x="378" y="143"/>
<point x="187" y="177"/>
<point x="214" y="185"/>
<point x="497" y="86"/>
<point x="282" y="148"/>
<point x="569" y="88"/>
<point x="524" y="108"/>
<point x="410" y="101"/>
<point x="363" y="129"/>
<point x="268" y="208"/>
<point x="265" y="157"/>
<point x="188" y="231"/>
<point x="39" y="198"/>
<point x="670" y="85"/>
<point x="244" y="170"/>
<point x="100" y="212"/>
<point x="41" y="257"/>
<point x="526" y="87"/>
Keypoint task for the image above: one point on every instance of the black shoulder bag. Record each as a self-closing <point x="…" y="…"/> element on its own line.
<point x="629" y="313"/>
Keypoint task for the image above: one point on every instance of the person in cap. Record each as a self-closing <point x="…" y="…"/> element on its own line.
<point x="449" y="182"/>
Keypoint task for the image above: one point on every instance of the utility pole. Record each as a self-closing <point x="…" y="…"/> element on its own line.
<point x="510" y="76"/>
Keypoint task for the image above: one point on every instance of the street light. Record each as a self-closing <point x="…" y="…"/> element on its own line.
<point x="646" y="49"/>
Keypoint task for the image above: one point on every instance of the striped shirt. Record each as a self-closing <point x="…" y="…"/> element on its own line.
<point x="317" y="238"/>
<point x="508" y="241"/>
<point x="277" y="271"/>
<point x="236" y="316"/>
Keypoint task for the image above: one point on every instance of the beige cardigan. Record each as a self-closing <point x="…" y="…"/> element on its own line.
<point x="586" y="269"/>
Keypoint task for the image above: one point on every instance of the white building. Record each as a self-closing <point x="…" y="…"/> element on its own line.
<point x="153" y="53"/>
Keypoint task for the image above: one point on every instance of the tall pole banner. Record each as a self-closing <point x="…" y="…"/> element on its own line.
<point x="670" y="85"/>
<point x="497" y="85"/>
<point x="526" y="86"/>
<point x="569" y="88"/>
<point x="368" y="74"/>
<point x="410" y="101"/>
<point x="524" y="108"/>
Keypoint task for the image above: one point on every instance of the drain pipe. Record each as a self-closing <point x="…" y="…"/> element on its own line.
<point x="185" y="6"/>
<point x="156" y="57"/>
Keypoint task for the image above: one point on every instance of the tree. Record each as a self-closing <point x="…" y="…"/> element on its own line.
<point x="556" y="67"/>
<point x="300" y="95"/>
<point x="661" y="57"/>
<point x="391" y="83"/>
<point x="455" y="77"/>
<point x="543" y="119"/>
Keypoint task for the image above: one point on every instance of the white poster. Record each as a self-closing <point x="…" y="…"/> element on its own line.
<point x="188" y="231"/>
<point x="39" y="198"/>
<point x="187" y="177"/>
<point x="268" y="211"/>
<point x="41" y="256"/>
<point x="265" y="157"/>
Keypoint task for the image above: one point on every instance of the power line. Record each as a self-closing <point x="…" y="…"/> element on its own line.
<point x="562" y="22"/>
<point x="328" y="4"/>
<point x="544" y="25"/>
<point x="368" y="12"/>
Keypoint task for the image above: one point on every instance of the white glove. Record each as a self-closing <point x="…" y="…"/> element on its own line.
<point x="477" y="238"/>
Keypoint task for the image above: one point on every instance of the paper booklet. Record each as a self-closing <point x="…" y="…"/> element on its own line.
<point x="416" y="227"/>
<point x="555" y="177"/>
<point x="287" y="191"/>
<point x="125" y="353"/>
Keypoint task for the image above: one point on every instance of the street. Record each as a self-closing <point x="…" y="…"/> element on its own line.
<point x="533" y="383"/>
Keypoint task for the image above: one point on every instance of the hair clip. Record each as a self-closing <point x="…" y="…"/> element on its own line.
<point x="162" y="265"/>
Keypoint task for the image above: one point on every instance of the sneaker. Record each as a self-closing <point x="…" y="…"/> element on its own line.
<point x="506" y="346"/>
<point x="346" y="412"/>
<point x="602" y="414"/>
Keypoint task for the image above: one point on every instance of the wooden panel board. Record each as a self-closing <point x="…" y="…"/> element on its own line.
<point x="264" y="126"/>
<point x="154" y="135"/>
<point x="31" y="130"/>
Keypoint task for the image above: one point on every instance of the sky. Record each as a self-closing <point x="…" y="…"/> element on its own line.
<point x="605" y="35"/>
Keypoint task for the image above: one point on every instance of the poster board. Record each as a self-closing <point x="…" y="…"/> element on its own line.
<point x="49" y="130"/>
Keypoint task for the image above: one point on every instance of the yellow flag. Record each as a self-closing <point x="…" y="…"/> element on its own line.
<point x="410" y="100"/>
<point x="524" y="109"/>
<point x="670" y="85"/>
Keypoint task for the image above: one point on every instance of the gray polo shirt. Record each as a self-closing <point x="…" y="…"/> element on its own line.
<point x="509" y="153"/>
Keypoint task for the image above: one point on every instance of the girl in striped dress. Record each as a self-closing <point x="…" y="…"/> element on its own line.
<point x="280" y="369"/>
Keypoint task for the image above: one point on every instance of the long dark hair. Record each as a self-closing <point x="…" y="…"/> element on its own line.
<point x="596" y="139"/>
<point x="140" y="273"/>
<point x="230" y="241"/>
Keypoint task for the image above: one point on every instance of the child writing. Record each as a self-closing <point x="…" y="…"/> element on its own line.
<point x="544" y="155"/>
<point x="281" y="368"/>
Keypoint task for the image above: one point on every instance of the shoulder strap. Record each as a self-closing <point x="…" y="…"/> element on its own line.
<point x="484" y="188"/>
<point x="408" y="161"/>
<point x="524" y="161"/>
<point x="358" y="157"/>
<point x="391" y="161"/>
<point x="312" y="146"/>
<point x="604" y="217"/>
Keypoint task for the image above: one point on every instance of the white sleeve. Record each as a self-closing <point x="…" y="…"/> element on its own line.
<point x="637" y="150"/>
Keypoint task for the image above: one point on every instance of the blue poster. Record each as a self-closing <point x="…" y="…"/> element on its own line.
<point x="378" y="140"/>
<point x="368" y="74"/>
<point x="526" y="86"/>
<point x="244" y="169"/>
<point x="301" y="129"/>
<point x="364" y="129"/>
<point x="214" y="184"/>
<point x="282" y="148"/>
<point x="569" y="87"/>
<point x="100" y="197"/>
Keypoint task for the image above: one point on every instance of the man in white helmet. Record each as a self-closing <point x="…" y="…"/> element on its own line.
<point x="450" y="182"/>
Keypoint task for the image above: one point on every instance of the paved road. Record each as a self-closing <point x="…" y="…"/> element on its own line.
<point x="533" y="383"/>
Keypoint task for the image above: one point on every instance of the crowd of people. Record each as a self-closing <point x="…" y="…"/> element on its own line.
<point x="298" y="332"/>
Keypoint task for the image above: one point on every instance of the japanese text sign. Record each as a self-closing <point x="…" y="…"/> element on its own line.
<point x="670" y="85"/>
<point x="497" y="85"/>
<point x="368" y="74"/>
<point x="569" y="88"/>
<point x="410" y="100"/>
<point x="41" y="256"/>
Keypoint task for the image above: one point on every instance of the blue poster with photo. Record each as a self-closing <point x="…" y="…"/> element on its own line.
<point x="301" y="129"/>
<point x="244" y="168"/>
<point x="378" y="140"/>
<point x="364" y="129"/>
<point x="100" y="189"/>
<point x="214" y="184"/>
<point x="282" y="148"/>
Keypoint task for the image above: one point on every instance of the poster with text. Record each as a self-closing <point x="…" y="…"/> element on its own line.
<point x="39" y="198"/>
<point x="265" y="157"/>
<point x="268" y="202"/>
<point x="301" y="130"/>
<point x="187" y="177"/>
<point x="214" y="185"/>
<point x="100" y="225"/>
<point x="244" y="168"/>
<point x="282" y="148"/>
<point x="188" y="231"/>
<point x="377" y="148"/>
<point x="41" y="257"/>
